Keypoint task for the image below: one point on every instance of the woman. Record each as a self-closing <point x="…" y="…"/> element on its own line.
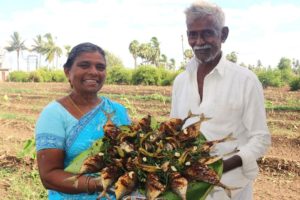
<point x="70" y="125"/>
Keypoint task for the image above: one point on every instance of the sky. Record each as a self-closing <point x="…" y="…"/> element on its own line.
<point x="262" y="30"/>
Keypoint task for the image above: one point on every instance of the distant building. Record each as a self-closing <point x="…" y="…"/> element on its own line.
<point x="4" y="74"/>
<point x="3" y="71"/>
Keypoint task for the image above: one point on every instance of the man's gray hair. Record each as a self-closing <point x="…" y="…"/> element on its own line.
<point x="200" y="9"/>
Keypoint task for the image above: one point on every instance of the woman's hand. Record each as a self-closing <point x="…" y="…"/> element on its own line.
<point x="51" y="169"/>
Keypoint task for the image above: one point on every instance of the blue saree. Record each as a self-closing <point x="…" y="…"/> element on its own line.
<point x="57" y="128"/>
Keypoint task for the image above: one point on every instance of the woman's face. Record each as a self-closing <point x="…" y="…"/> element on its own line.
<point x="87" y="73"/>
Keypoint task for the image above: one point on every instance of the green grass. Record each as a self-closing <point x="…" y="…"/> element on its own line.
<point x="293" y="102"/>
<point x="17" y="90"/>
<point x="289" y="105"/>
<point x="283" y="108"/>
<point x="30" y="91"/>
<point x="155" y="96"/>
<point x="14" y="116"/>
<point x="22" y="184"/>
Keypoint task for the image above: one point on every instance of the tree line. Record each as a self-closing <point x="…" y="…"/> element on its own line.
<point x="43" y="45"/>
<point x="287" y="72"/>
<point x="148" y="54"/>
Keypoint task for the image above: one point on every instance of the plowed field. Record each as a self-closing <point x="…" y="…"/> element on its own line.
<point x="21" y="103"/>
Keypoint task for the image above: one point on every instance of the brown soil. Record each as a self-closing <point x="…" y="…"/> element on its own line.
<point x="279" y="170"/>
<point x="279" y="176"/>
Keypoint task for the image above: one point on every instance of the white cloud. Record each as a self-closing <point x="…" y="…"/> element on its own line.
<point x="111" y="24"/>
<point x="263" y="31"/>
<point x="266" y="32"/>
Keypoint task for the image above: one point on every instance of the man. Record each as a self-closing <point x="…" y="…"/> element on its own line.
<point x="230" y="95"/>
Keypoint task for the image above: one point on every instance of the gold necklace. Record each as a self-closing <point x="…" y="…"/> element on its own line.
<point x="75" y="105"/>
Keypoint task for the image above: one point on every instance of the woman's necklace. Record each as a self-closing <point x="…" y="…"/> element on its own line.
<point x="74" y="105"/>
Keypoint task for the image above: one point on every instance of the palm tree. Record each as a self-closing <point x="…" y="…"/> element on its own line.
<point x="134" y="50"/>
<point x="39" y="47"/>
<point x="145" y="52"/>
<point x="172" y="63"/>
<point x="155" y="51"/>
<point x="51" y="50"/>
<point x="68" y="49"/>
<point x="16" y="44"/>
<point x="164" y="60"/>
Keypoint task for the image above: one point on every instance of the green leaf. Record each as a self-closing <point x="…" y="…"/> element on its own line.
<point x="75" y="165"/>
<point x="125" y="129"/>
<point x="197" y="190"/>
<point x="153" y="123"/>
<point x="28" y="149"/>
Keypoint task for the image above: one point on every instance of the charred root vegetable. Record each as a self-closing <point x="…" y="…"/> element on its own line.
<point x="154" y="157"/>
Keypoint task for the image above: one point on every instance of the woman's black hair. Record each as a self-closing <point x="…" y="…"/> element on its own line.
<point x="82" y="48"/>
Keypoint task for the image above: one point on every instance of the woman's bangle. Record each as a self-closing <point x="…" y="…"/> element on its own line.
<point x="87" y="182"/>
<point x="96" y="188"/>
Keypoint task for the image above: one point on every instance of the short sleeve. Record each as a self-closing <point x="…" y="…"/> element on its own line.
<point x="49" y="131"/>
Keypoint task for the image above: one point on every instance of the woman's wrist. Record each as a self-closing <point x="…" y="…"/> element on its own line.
<point x="92" y="185"/>
<point x="88" y="186"/>
<point x="97" y="184"/>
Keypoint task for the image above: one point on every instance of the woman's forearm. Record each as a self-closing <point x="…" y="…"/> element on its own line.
<point x="65" y="182"/>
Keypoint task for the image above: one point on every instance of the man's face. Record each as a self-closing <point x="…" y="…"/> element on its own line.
<point x="205" y="39"/>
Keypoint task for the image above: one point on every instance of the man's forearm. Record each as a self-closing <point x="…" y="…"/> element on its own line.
<point x="232" y="163"/>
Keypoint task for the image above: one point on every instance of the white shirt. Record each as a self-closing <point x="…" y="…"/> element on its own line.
<point x="233" y="99"/>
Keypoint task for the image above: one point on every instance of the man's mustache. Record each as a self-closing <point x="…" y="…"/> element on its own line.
<point x="207" y="46"/>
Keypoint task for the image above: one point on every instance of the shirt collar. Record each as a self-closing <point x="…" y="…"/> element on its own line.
<point x="220" y="68"/>
<point x="192" y="66"/>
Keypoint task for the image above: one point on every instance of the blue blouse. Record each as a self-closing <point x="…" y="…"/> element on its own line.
<point x="57" y="128"/>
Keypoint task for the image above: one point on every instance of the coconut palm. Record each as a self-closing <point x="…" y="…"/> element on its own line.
<point x="172" y="63"/>
<point x="164" y="60"/>
<point x="68" y="49"/>
<point x="145" y="52"/>
<point x="155" y="51"/>
<point x="134" y="50"/>
<point x="16" y="44"/>
<point x="51" y="49"/>
<point x="39" y="46"/>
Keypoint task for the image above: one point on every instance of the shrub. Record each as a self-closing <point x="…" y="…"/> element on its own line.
<point x="118" y="75"/>
<point x="46" y="74"/>
<point x="18" y="76"/>
<point x="58" y="76"/>
<point x="167" y="76"/>
<point x="35" y="76"/>
<point x="287" y="76"/>
<point x="269" y="77"/>
<point x="40" y="75"/>
<point x="295" y="84"/>
<point x="146" y="75"/>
